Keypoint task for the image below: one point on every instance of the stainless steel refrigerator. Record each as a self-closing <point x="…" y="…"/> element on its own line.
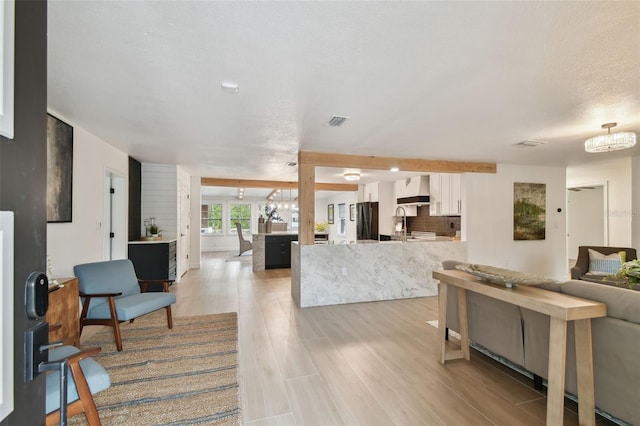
<point x="367" y="221"/>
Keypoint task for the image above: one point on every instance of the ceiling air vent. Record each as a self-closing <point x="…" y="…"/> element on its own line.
<point x="337" y="120"/>
<point x="531" y="143"/>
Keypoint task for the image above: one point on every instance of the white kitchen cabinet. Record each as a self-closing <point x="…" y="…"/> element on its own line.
<point x="445" y="195"/>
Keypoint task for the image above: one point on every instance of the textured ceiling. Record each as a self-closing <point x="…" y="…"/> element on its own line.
<point x="436" y="80"/>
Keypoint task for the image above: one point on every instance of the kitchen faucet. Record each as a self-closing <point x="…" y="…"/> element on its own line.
<point x="404" y="222"/>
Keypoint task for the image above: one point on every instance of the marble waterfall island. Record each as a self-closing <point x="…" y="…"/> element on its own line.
<point x="349" y="273"/>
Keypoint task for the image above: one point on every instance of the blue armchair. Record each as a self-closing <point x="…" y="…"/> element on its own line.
<point x="87" y="378"/>
<point x="111" y="294"/>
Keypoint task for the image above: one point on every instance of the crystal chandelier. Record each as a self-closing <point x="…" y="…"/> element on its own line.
<point x="610" y="141"/>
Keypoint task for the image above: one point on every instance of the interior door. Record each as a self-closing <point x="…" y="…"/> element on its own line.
<point x="586" y="221"/>
<point x="184" y="239"/>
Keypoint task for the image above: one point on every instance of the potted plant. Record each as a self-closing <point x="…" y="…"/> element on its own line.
<point x="629" y="274"/>
<point x="322" y="226"/>
<point x="154" y="230"/>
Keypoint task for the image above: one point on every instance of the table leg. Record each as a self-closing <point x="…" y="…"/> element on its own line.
<point x="555" y="377"/>
<point x="442" y="320"/>
<point x="464" y="323"/>
<point x="584" y="367"/>
<point x="463" y="352"/>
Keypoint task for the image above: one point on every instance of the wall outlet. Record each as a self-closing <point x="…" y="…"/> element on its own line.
<point x="344" y="271"/>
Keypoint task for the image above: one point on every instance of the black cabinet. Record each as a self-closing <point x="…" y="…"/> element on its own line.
<point x="154" y="260"/>
<point x="277" y="251"/>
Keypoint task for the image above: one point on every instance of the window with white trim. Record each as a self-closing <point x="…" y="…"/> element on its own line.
<point x="211" y="218"/>
<point x="239" y="213"/>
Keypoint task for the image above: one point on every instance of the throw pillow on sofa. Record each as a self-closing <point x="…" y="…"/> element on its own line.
<point x="602" y="264"/>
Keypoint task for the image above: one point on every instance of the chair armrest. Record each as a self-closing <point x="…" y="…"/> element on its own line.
<point x="576" y="273"/>
<point x="145" y="283"/>
<point x="77" y="357"/>
<point x="100" y="294"/>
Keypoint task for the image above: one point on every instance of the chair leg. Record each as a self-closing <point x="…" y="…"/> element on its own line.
<point x="84" y="393"/>
<point x="169" y="317"/>
<point x="115" y="323"/>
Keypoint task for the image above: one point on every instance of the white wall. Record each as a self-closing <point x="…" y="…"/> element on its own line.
<point x="635" y="207"/>
<point x="618" y="174"/>
<point x="487" y="221"/>
<point x="194" y="241"/>
<point x="160" y="197"/>
<point x="81" y="241"/>
<point x="321" y="212"/>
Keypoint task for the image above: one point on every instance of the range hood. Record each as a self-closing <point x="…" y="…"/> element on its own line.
<point x="417" y="200"/>
<point x="413" y="191"/>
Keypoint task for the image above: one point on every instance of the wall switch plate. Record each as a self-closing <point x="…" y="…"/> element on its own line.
<point x="344" y="271"/>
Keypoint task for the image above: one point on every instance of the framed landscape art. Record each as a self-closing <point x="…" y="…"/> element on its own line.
<point x="529" y="211"/>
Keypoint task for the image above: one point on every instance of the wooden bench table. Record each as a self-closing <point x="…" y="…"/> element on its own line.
<point x="561" y="308"/>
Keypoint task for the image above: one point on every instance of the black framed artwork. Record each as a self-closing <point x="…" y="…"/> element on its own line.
<point x="59" y="170"/>
<point x="330" y="214"/>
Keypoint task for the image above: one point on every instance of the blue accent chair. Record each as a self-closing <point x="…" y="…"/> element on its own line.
<point x="111" y="293"/>
<point x="87" y="378"/>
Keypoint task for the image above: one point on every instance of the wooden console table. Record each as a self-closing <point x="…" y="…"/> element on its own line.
<point x="64" y="309"/>
<point x="561" y="308"/>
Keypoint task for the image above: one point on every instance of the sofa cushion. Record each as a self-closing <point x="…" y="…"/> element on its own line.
<point x="621" y="303"/>
<point x="130" y="307"/>
<point x="602" y="264"/>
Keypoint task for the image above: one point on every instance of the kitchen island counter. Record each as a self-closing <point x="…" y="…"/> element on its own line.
<point x="273" y="250"/>
<point x="349" y="273"/>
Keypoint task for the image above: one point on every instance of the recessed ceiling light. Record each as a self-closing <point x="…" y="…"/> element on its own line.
<point x="394" y="169"/>
<point x="230" y="86"/>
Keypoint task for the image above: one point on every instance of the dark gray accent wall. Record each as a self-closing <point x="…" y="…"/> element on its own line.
<point x="135" y="199"/>
<point x="23" y="164"/>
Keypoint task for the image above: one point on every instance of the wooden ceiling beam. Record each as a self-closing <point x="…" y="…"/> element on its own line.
<point x="385" y="163"/>
<point x="250" y="183"/>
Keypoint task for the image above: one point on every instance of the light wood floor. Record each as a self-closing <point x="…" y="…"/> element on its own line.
<point x="356" y="364"/>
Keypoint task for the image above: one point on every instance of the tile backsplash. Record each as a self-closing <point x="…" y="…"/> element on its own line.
<point x="441" y="225"/>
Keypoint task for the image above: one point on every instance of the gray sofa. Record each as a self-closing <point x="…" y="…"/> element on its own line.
<point x="521" y="336"/>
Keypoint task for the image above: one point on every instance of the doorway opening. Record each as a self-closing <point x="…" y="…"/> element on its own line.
<point x="587" y="218"/>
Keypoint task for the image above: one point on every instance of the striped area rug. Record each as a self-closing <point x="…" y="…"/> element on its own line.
<point x="184" y="376"/>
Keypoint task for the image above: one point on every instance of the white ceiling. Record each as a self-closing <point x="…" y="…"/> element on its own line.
<point x="435" y="80"/>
